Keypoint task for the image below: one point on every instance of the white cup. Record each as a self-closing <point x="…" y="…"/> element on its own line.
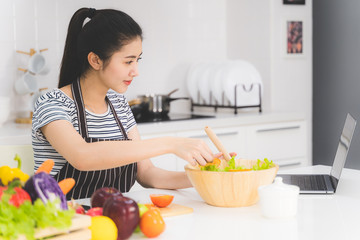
<point x="26" y="84"/>
<point x="4" y="109"/>
<point x="37" y="64"/>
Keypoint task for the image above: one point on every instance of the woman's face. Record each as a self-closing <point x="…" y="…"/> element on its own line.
<point x="123" y="66"/>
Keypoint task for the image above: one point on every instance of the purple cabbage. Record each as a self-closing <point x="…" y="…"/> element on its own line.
<point x="45" y="187"/>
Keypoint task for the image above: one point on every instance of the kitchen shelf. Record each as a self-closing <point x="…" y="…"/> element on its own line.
<point x="226" y="103"/>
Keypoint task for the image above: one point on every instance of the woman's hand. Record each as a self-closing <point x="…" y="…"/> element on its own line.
<point x="193" y="150"/>
<point x="220" y="155"/>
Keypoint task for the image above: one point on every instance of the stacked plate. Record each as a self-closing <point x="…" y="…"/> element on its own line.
<point x="235" y="82"/>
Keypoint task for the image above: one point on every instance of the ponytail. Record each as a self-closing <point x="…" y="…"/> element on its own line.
<point x="106" y="32"/>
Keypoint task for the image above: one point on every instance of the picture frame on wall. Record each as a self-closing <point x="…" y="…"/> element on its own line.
<point x="294" y="2"/>
<point x="294" y="39"/>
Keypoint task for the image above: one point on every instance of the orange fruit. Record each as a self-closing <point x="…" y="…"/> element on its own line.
<point x="151" y="223"/>
<point x="161" y="200"/>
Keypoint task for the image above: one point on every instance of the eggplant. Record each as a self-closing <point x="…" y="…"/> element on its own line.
<point x="45" y="187"/>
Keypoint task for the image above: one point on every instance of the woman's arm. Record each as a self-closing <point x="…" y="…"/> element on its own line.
<point x="150" y="176"/>
<point x="109" y="154"/>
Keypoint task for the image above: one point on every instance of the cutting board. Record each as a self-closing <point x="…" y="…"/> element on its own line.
<point x="78" y="231"/>
<point x="175" y="210"/>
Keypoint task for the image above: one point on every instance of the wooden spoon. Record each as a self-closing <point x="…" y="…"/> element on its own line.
<point x="217" y="142"/>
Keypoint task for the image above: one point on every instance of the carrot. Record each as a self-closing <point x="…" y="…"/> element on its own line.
<point x="46" y="166"/>
<point x="216" y="162"/>
<point x="66" y="185"/>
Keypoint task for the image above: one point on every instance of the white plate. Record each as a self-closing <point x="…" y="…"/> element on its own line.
<point x="203" y="83"/>
<point x="216" y="82"/>
<point x="242" y="74"/>
<point x="192" y="79"/>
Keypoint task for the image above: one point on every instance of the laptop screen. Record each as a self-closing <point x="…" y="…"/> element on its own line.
<point x="343" y="147"/>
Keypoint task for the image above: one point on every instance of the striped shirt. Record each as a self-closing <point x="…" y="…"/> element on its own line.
<point x="56" y="105"/>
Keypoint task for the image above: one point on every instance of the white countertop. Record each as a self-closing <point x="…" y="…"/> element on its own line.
<point x="20" y="134"/>
<point x="319" y="216"/>
<point x="15" y="134"/>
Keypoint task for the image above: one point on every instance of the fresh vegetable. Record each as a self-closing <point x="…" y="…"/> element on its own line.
<point x="211" y="167"/>
<point x="45" y="167"/>
<point x="161" y="200"/>
<point x="265" y="165"/>
<point x="230" y="166"/>
<point x="14" y="196"/>
<point x="66" y="185"/>
<point x="151" y="223"/>
<point x="8" y="174"/>
<point x="43" y="186"/>
<point x="23" y="220"/>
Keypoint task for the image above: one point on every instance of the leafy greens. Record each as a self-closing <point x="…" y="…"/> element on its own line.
<point x="27" y="217"/>
<point x="266" y="164"/>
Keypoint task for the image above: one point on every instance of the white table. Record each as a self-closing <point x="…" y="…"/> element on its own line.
<point x="319" y="216"/>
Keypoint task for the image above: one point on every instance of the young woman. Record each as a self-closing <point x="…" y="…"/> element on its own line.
<point x="87" y="126"/>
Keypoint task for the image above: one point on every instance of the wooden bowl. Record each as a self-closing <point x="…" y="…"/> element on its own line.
<point x="230" y="189"/>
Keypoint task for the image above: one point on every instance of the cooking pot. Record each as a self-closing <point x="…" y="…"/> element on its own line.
<point x="156" y="104"/>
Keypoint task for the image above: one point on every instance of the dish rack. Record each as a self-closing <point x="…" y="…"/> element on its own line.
<point x="226" y="103"/>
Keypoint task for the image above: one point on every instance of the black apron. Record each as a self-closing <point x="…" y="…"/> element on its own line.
<point x="86" y="182"/>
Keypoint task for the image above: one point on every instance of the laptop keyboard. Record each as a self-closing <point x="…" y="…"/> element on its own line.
<point x="310" y="182"/>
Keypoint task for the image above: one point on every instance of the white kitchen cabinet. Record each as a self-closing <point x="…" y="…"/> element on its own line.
<point x="284" y="142"/>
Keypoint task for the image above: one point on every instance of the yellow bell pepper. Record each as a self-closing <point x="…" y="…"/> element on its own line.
<point x="7" y="174"/>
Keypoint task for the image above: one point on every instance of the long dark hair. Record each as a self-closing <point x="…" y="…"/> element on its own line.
<point x="106" y="32"/>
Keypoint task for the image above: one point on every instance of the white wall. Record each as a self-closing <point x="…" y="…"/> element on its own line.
<point x="176" y="34"/>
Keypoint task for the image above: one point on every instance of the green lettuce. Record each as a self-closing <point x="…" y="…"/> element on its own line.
<point x="24" y="219"/>
<point x="265" y="165"/>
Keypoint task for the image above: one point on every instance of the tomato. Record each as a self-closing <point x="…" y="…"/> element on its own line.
<point x="151" y="223"/>
<point x="96" y="211"/>
<point x="18" y="197"/>
<point x="161" y="200"/>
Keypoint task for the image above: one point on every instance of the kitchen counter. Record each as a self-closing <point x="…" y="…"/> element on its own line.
<point x="319" y="216"/>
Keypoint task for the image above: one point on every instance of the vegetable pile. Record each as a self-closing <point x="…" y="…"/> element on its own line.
<point x="222" y="166"/>
<point x="27" y="204"/>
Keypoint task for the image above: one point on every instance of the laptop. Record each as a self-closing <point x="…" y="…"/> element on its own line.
<point x="325" y="184"/>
